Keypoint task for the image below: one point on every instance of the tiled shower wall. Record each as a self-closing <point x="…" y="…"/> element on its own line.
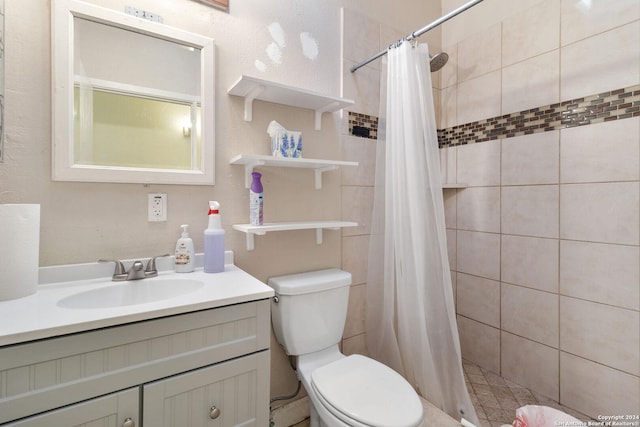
<point x="544" y="243"/>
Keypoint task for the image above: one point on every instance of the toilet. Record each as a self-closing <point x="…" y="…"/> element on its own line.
<point x="308" y="315"/>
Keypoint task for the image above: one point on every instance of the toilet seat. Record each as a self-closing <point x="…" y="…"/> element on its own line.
<point x="363" y="392"/>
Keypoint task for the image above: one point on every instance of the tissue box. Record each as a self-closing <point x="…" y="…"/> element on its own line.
<point x="287" y="144"/>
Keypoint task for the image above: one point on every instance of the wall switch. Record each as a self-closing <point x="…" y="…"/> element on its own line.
<point x="157" y="207"/>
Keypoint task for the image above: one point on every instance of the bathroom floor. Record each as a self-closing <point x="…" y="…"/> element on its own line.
<point x="496" y="399"/>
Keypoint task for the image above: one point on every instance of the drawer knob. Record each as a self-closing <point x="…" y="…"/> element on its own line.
<point x="215" y="413"/>
<point x="128" y="423"/>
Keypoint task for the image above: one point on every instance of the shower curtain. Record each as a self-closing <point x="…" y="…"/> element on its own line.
<point x="410" y="319"/>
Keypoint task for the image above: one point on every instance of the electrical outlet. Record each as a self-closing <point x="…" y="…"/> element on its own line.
<point x="157" y="207"/>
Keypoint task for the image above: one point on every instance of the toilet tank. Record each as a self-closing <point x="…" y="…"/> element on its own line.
<point x="311" y="309"/>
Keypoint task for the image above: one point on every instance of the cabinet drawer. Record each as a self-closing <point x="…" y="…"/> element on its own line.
<point x="47" y="374"/>
<point x="108" y="411"/>
<point x="233" y="393"/>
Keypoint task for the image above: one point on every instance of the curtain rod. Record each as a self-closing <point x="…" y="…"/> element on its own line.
<point x="419" y="32"/>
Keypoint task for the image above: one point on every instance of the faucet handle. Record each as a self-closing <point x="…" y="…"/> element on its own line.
<point x="151" y="270"/>
<point x="119" y="273"/>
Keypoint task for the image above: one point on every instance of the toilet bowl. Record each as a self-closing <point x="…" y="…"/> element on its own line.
<point x="308" y="315"/>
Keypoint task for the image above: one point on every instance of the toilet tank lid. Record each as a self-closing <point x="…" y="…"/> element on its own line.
<point x="311" y="281"/>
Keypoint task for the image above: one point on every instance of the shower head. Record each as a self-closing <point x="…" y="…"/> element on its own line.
<point x="438" y="60"/>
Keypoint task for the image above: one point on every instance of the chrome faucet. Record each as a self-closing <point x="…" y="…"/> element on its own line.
<point x="137" y="270"/>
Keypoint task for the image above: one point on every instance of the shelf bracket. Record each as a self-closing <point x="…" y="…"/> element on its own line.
<point x="318" y="236"/>
<point x="248" y="169"/>
<point x="318" y="175"/>
<point x="319" y="111"/>
<point x="250" y="242"/>
<point x="248" y="102"/>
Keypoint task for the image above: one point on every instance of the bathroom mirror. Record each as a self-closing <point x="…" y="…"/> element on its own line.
<point x="133" y="100"/>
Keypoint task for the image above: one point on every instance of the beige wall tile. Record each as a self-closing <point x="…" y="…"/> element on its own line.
<point x="601" y="333"/>
<point x="448" y="164"/>
<point x="599" y="272"/>
<point x="530" y="313"/>
<point x="449" y="74"/>
<point x="531" y="83"/>
<point x="530" y="261"/>
<point x="478" y="299"/>
<point x="530" y="210"/>
<point x="531" y="159"/>
<point x="479" y="209"/>
<point x="607" y="213"/>
<point x="530" y="364"/>
<point x="600" y="63"/>
<point x="479" y="98"/>
<point x="361" y="35"/>
<point x="448" y="107"/>
<point x="363" y="151"/>
<point x="531" y="32"/>
<point x="580" y="19"/>
<point x="479" y="164"/>
<point x="587" y="153"/>
<point x="452" y="245"/>
<point x="479" y="343"/>
<point x="594" y="389"/>
<point x="355" y="251"/>
<point x="354" y="324"/>
<point x="480" y="54"/>
<point x="363" y="87"/>
<point x="479" y="254"/>
<point x="357" y="205"/>
<point x="450" y="207"/>
<point x="355" y="345"/>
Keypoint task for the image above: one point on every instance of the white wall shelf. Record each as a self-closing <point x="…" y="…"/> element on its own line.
<point x="251" y="161"/>
<point x="453" y="185"/>
<point x="319" y="226"/>
<point x="252" y="88"/>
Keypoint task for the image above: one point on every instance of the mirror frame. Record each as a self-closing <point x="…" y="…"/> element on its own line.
<point x="63" y="167"/>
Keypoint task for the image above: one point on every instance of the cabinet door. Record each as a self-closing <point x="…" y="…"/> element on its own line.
<point x="233" y="393"/>
<point x="114" y="410"/>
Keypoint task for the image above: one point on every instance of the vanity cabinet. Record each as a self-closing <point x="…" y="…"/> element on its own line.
<point x="208" y="367"/>
<point x="114" y="410"/>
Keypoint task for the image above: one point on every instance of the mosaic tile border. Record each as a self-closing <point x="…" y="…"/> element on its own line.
<point x="604" y="107"/>
<point x="363" y="125"/>
<point x="613" y="105"/>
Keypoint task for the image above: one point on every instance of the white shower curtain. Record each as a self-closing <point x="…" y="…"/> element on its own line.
<point x="410" y="321"/>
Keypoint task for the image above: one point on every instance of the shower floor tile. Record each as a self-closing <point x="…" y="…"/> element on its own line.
<point x="496" y="399"/>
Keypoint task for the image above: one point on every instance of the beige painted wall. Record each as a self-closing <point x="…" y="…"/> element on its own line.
<point x="82" y="222"/>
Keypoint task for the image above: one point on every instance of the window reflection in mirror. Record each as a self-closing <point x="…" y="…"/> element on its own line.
<point x="133" y="100"/>
<point x="136" y="99"/>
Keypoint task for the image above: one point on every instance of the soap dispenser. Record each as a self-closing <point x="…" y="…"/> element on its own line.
<point x="184" y="262"/>
<point x="214" y="241"/>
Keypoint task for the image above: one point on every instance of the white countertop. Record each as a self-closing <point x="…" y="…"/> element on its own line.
<point x="39" y="316"/>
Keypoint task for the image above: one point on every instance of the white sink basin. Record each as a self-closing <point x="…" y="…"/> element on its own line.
<point x="131" y="293"/>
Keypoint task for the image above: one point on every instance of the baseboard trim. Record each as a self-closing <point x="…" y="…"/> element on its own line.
<point x="291" y="413"/>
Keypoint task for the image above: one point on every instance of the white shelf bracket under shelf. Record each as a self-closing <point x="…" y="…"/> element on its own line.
<point x="248" y="102"/>
<point x="318" y="174"/>
<point x="248" y="169"/>
<point x="318" y="113"/>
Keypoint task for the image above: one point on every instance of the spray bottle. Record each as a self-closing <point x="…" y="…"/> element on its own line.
<point x="256" y="198"/>
<point x="214" y="241"/>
